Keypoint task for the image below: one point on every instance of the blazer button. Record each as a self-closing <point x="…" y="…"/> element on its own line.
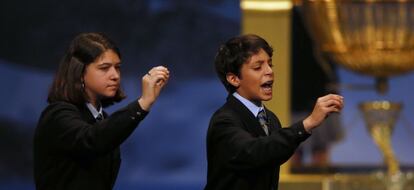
<point x="132" y="117"/>
<point x="138" y="113"/>
<point x="300" y="132"/>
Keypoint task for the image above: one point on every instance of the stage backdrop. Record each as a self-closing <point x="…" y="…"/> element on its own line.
<point x="167" y="150"/>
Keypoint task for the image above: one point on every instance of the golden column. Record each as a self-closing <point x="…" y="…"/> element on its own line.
<point x="270" y="19"/>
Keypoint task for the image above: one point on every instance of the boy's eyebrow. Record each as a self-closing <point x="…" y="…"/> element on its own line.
<point x="257" y="63"/>
<point x="262" y="61"/>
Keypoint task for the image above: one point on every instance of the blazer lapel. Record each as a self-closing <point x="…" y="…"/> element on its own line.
<point x="273" y="121"/>
<point x="86" y="114"/>
<point x="246" y="115"/>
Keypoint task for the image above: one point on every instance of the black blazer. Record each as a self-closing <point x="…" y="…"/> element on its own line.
<point x="240" y="156"/>
<point x="72" y="151"/>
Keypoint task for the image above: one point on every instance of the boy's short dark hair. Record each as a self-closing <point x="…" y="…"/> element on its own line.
<point x="84" y="49"/>
<point x="235" y="52"/>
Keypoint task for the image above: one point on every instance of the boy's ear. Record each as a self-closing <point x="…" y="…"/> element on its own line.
<point x="233" y="79"/>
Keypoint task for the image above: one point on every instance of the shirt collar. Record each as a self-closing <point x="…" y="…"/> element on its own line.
<point x="93" y="110"/>
<point x="250" y="105"/>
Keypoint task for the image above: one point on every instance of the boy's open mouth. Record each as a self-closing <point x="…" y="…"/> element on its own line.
<point x="267" y="85"/>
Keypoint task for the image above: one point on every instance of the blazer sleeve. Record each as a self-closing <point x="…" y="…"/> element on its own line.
<point x="243" y="151"/>
<point x="69" y="133"/>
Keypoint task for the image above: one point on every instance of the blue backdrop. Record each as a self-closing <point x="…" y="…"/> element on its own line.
<point x="167" y="151"/>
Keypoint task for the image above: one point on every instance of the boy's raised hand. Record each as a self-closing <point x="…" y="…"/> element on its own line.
<point x="323" y="107"/>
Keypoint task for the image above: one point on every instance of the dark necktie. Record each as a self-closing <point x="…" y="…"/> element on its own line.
<point x="99" y="117"/>
<point x="263" y="121"/>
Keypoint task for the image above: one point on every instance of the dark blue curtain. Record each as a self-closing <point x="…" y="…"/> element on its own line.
<point x="167" y="151"/>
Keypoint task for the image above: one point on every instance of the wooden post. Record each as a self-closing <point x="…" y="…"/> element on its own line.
<point x="271" y="19"/>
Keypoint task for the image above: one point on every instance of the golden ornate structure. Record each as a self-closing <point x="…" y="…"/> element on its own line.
<point x="380" y="117"/>
<point x="373" y="37"/>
